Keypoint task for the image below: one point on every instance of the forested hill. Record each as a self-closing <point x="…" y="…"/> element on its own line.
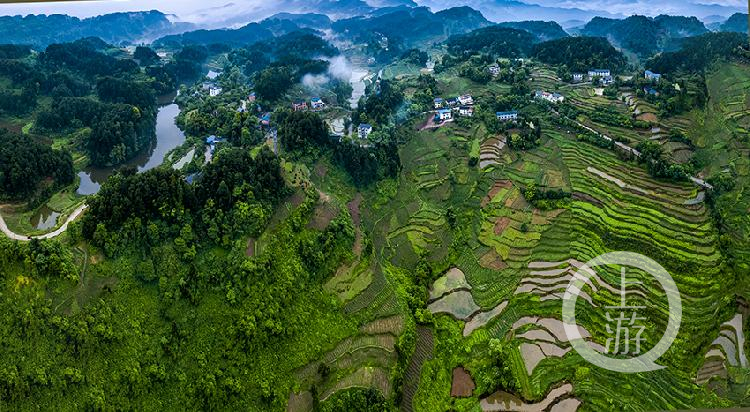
<point x="736" y="23"/>
<point x="495" y="40"/>
<point x="644" y="35"/>
<point x="42" y="30"/>
<point x="543" y="30"/>
<point x="698" y="53"/>
<point x="580" y="54"/>
<point x="413" y="25"/>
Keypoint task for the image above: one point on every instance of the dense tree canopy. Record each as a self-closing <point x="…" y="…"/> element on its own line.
<point x="581" y="54"/>
<point x="26" y="163"/>
<point x="496" y="41"/>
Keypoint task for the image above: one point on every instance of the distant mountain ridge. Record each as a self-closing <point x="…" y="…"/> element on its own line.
<point x="414" y="24"/>
<point x="543" y="30"/>
<point x="645" y="35"/>
<point x="736" y="23"/>
<point x="42" y="30"/>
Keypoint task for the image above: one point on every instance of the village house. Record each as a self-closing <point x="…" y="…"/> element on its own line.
<point x="466" y="111"/>
<point x="299" y="105"/>
<point x="577" y="77"/>
<point x="494" y="70"/>
<point x="265" y="119"/>
<point x="651" y="91"/>
<point x="550" y="97"/>
<point x="466" y="100"/>
<point x="507" y="116"/>
<point x="317" y="103"/>
<point x="607" y="80"/>
<point x="439" y="102"/>
<point x="252" y="97"/>
<point x="364" y="130"/>
<point x="214" y="91"/>
<point x="443" y="114"/>
<point x="654" y="77"/>
<point x="453" y="101"/>
<point x="601" y="73"/>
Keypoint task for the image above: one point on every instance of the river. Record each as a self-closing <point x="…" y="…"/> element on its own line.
<point x="168" y="136"/>
<point x="358" y="85"/>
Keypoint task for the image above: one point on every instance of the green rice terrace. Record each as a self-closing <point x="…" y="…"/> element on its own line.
<point x="499" y="265"/>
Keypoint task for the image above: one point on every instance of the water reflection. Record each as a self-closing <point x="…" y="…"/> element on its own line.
<point x="168" y="136"/>
<point x="45" y="218"/>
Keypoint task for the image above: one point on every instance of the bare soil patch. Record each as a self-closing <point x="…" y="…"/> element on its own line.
<point x="495" y="189"/>
<point x="648" y="117"/>
<point x="463" y="385"/>
<point x="491" y="260"/>
<point x="501" y="224"/>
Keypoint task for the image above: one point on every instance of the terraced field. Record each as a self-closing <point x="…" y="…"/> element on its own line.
<point x="501" y="264"/>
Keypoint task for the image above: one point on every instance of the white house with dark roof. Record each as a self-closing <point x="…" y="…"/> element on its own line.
<point x="507" y="116"/>
<point x="466" y="111"/>
<point x="466" y="100"/>
<point x="577" y="77"/>
<point x="599" y="73"/>
<point x="550" y="97"/>
<point x="439" y="102"/>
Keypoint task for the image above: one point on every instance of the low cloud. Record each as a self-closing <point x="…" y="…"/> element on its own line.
<point x="338" y="69"/>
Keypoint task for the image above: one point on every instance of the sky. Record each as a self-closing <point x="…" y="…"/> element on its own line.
<point x="202" y="11"/>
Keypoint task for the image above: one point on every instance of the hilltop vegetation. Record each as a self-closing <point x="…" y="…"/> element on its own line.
<point x="113" y="28"/>
<point x="699" y="53"/>
<point x="407" y="26"/>
<point x="26" y="163"/>
<point x="643" y="35"/>
<point x="495" y="41"/>
<point x="543" y="30"/>
<point x="580" y="54"/>
<point x="736" y="23"/>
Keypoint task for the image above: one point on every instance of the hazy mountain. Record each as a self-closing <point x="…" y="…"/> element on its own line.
<point x="543" y="30"/>
<point x="736" y="23"/>
<point x="307" y="20"/>
<point x="42" y="30"/>
<point x="414" y="24"/>
<point x="513" y="10"/>
<point x="392" y="3"/>
<point x="248" y="34"/>
<point x="645" y="35"/>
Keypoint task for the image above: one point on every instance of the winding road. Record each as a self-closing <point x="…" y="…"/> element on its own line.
<point x="15" y="236"/>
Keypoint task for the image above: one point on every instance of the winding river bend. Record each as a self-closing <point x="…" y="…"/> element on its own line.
<point x="168" y="136"/>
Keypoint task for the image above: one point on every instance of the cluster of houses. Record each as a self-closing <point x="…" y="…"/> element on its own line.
<point x="444" y="108"/>
<point x="550" y="97"/>
<point x="316" y="103"/>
